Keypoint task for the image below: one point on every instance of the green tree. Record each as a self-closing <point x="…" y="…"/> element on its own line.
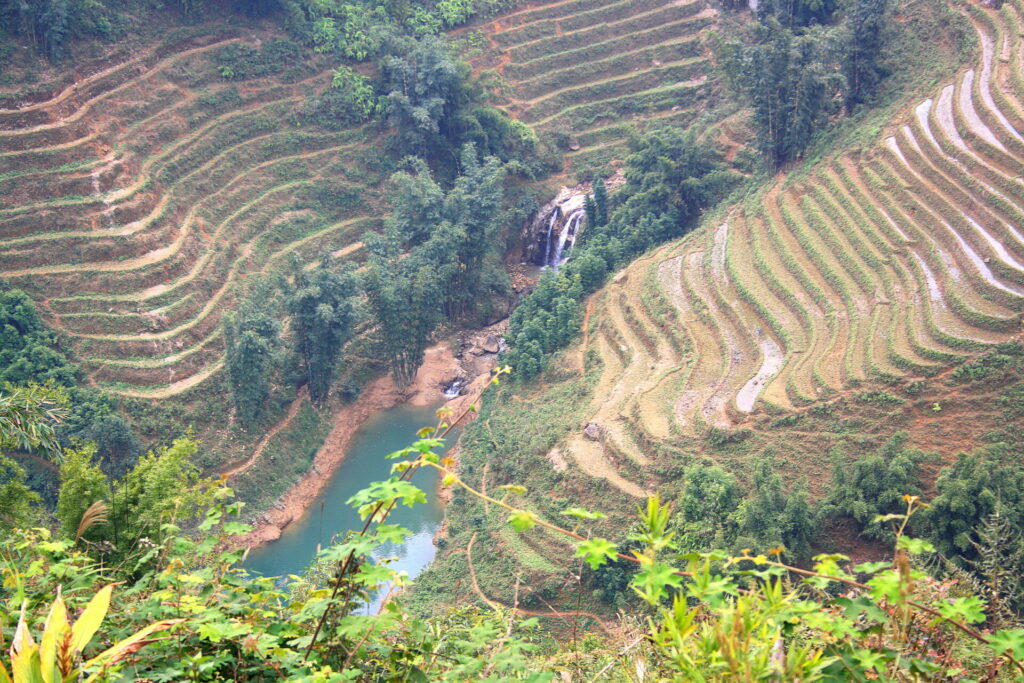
<point x="29" y="352"/>
<point x="796" y="13"/>
<point x="164" y="487"/>
<point x="590" y="210"/>
<point x="968" y="492"/>
<point x="28" y="417"/>
<point x="670" y="172"/>
<point x="999" y="562"/>
<point x="117" y="446"/>
<point x="18" y="503"/>
<point x="417" y="204"/>
<point x="350" y="99"/>
<point x="252" y="340"/>
<point x="427" y="98"/>
<point x="600" y="202"/>
<point x="474" y="206"/>
<point x="792" y="82"/>
<point x="321" y="303"/>
<point x="83" y="483"/>
<point x="867" y="23"/>
<point x="406" y="308"/>
<point x="48" y="26"/>
<point x="873" y="485"/>
<point x="707" y="507"/>
<point x="798" y="525"/>
<point x="761" y="518"/>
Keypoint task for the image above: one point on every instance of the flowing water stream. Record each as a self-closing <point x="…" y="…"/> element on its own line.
<point x="384" y="433"/>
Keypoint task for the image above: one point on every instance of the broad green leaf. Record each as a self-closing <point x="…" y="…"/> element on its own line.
<point x="854" y="607"/>
<point x="392" y="533"/>
<point x="886" y="585"/>
<point x="521" y="520"/>
<point x="404" y="453"/>
<point x="1008" y="640"/>
<point x="914" y="546"/>
<point x="596" y="551"/>
<point x="970" y="609"/>
<point x="652" y="581"/>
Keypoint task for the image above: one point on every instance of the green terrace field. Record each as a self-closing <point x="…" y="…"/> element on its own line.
<point x="875" y="268"/>
<point x="588" y="70"/>
<point x="865" y="293"/>
<point x="133" y="203"/>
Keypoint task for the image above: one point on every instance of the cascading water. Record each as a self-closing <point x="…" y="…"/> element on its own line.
<point x="551" y="231"/>
<point x="568" y="234"/>
<point x="554" y="228"/>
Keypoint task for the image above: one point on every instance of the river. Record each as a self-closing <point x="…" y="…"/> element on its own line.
<point x="328" y="516"/>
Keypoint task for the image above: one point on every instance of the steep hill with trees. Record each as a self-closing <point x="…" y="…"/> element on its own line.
<point x="165" y="203"/>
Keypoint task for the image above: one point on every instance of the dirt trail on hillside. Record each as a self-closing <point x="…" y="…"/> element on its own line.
<point x="293" y="410"/>
<point x="493" y="604"/>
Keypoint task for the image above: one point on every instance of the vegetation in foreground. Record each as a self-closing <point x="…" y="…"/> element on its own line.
<point x="180" y="608"/>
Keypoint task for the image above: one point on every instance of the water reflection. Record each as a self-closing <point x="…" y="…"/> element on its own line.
<point x="328" y="517"/>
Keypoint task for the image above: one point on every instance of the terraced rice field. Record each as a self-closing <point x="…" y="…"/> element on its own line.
<point x="875" y="267"/>
<point x="134" y="202"/>
<point x="590" y="69"/>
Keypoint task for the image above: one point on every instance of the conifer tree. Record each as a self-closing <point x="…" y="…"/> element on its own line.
<point x="999" y="561"/>
<point x="590" y="210"/>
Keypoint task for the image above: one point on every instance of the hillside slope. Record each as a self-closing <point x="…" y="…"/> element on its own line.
<point x="840" y="304"/>
<point x="589" y="71"/>
<point x="133" y="201"/>
<point x="876" y="266"/>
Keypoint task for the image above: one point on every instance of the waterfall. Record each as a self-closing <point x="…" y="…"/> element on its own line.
<point x="551" y="230"/>
<point x="568" y="233"/>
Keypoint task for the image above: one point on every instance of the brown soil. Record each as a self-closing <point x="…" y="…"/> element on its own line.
<point x="439" y="366"/>
<point x="381" y="394"/>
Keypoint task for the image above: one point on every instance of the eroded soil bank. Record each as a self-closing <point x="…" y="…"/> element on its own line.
<point x="475" y="354"/>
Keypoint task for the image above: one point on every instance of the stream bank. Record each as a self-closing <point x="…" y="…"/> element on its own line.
<point x="474" y="355"/>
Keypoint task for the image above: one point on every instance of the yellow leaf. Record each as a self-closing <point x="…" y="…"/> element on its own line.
<point x="4" y="676"/>
<point x="54" y="629"/>
<point x="448" y="480"/>
<point x="24" y="653"/>
<point x="22" y="637"/>
<point x="87" y="625"/>
<point x="25" y="665"/>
